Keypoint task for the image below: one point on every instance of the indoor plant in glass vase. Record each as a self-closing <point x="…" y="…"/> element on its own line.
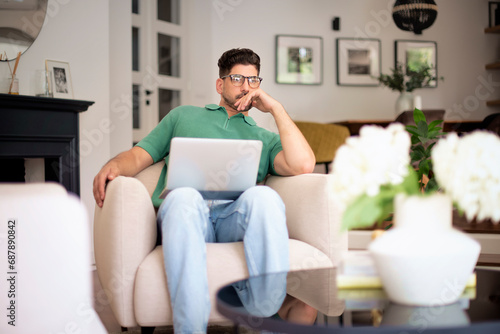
<point x="422" y="260"/>
<point x="405" y="82"/>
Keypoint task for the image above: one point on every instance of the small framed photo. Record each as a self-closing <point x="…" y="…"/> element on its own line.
<point x="415" y="54"/>
<point x="493" y="13"/>
<point x="299" y="60"/>
<point x="358" y="61"/>
<point x="60" y="75"/>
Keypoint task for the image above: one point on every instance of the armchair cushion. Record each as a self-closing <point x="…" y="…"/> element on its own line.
<point x="311" y="213"/>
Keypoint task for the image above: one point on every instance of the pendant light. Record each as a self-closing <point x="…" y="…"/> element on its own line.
<point x="414" y="15"/>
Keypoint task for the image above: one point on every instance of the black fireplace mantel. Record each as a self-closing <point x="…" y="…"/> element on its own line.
<point x="41" y="127"/>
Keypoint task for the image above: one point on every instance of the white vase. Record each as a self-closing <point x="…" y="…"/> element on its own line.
<point x="404" y="103"/>
<point x="422" y="260"/>
<point x="417" y="102"/>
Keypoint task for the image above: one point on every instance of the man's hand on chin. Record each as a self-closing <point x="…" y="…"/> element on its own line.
<point x="258" y="99"/>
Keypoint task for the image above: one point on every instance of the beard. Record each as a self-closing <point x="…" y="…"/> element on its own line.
<point x="231" y="101"/>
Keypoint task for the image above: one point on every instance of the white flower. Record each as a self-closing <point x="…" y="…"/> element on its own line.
<point x="468" y="170"/>
<point x="376" y="157"/>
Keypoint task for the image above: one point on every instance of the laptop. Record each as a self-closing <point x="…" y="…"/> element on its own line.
<point x="217" y="168"/>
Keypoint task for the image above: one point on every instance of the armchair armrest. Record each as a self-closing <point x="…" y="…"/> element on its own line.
<point x="311" y="212"/>
<point x="124" y="234"/>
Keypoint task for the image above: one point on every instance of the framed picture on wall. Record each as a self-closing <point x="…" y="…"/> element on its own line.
<point x="358" y="61"/>
<point x="415" y="54"/>
<point x="60" y="76"/>
<point x="299" y="60"/>
<point x="493" y="13"/>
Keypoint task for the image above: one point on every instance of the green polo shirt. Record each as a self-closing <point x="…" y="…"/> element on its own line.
<point x="209" y="122"/>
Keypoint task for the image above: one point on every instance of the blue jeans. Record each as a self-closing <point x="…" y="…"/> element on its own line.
<point x="187" y="222"/>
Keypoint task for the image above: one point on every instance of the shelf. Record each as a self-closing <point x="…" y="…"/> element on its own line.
<point x="493" y="66"/>
<point x="493" y="103"/>
<point x="492" y="30"/>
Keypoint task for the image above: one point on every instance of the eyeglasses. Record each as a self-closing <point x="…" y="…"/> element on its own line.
<point x="237" y="80"/>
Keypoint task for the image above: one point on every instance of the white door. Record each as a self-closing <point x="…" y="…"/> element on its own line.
<point x="158" y="66"/>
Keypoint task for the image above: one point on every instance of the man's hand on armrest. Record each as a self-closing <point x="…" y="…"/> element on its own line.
<point x="127" y="163"/>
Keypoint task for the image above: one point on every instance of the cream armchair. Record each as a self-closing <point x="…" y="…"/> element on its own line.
<point x="130" y="264"/>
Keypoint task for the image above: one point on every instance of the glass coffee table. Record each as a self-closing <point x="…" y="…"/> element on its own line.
<point x="309" y="301"/>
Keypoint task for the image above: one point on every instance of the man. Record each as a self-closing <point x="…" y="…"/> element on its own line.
<point x="187" y="221"/>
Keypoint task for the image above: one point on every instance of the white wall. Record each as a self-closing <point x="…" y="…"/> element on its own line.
<point x="463" y="50"/>
<point x="78" y="32"/>
<point x="201" y="80"/>
<point x="120" y="76"/>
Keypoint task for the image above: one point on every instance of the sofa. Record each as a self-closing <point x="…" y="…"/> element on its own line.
<point x="129" y="260"/>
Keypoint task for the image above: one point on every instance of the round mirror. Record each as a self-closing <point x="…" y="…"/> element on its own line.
<point x="20" y="24"/>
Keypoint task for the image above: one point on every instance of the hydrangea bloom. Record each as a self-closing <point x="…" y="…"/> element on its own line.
<point x="468" y="170"/>
<point x="376" y="157"/>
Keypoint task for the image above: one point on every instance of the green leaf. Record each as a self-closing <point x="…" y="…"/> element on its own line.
<point x="423" y="129"/>
<point x="419" y="148"/>
<point x="419" y="116"/>
<point x="416" y="156"/>
<point x="434" y="124"/>
<point x="410" y="183"/>
<point x="424" y="166"/>
<point x="364" y="212"/>
<point x="413" y="132"/>
<point x="420" y="174"/>
<point x="423" y="139"/>
<point x="367" y="210"/>
<point x="428" y="150"/>
<point x="417" y="153"/>
<point x="433" y="134"/>
<point x="432" y="185"/>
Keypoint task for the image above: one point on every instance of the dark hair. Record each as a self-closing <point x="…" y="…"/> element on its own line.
<point x="234" y="57"/>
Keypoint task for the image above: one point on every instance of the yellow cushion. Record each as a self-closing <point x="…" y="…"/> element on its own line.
<point x="324" y="139"/>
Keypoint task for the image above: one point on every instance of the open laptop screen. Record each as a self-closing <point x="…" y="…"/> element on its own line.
<point x="217" y="168"/>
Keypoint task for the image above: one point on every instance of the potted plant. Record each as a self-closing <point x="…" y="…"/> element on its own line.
<point x="405" y="81"/>
<point x="423" y="138"/>
<point x="417" y="258"/>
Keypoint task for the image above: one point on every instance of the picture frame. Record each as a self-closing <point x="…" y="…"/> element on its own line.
<point x="60" y="78"/>
<point x="493" y="13"/>
<point x="299" y="60"/>
<point x="413" y="54"/>
<point x="358" y="61"/>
